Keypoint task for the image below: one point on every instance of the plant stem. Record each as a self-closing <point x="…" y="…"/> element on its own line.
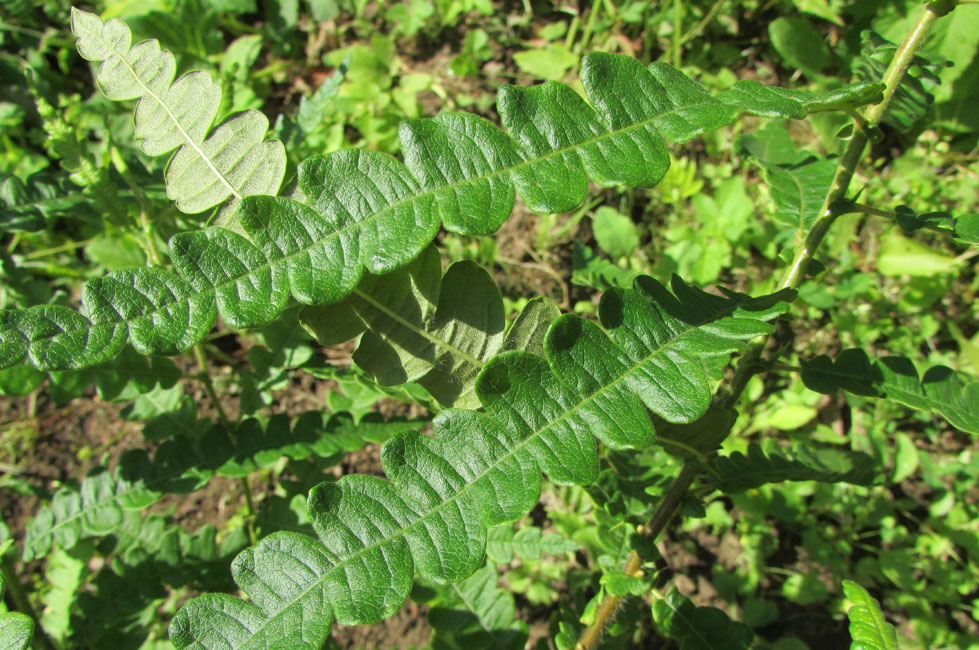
<point x="41" y="640"/>
<point x="677" y="33"/>
<point x="664" y="513"/>
<point x="205" y="376"/>
<point x="748" y="364"/>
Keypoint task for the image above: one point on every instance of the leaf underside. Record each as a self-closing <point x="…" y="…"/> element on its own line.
<point x="418" y="325"/>
<point x="233" y="160"/>
<point x="366" y="211"/>
<point x="940" y="390"/>
<point x="482" y="468"/>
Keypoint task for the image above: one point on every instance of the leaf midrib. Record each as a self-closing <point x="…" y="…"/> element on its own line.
<point x="148" y="91"/>
<point x="511" y="452"/>
<point x="415" y="197"/>
<point x="439" y="343"/>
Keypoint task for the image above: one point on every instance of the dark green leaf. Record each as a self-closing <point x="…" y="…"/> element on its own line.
<point x="940" y="390"/>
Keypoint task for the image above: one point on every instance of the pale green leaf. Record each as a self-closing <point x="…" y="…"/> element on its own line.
<point x="210" y="166"/>
<point x="868" y="628"/>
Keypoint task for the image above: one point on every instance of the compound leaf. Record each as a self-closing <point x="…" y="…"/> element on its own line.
<point x="868" y="628"/>
<point x="183" y="464"/>
<point x="738" y="472"/>
<point x="940" y="390"/>
<point x="912" y="99"/>
<point x="481" y="469"/>
<point x="233" y="160"/>
<point x="365" y="211"/>
<point x="698" y="628"/>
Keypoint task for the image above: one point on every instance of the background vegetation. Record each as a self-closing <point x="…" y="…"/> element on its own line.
<point x="78" y="197"/>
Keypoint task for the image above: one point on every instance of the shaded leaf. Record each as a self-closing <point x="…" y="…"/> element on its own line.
<point x="940" y="390"/>
<point x="738" y="472"/>
<point x="698" y="628"/>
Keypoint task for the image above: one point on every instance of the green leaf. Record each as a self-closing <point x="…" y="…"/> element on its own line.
<point x="899" y="256"/>
<point x="502" y="542"/>
<point x="698" y="628"/>
<point x="964" y="227"/>
<point x="800" y="45"/>
<point x="210" y="166"/>
<point x="868" y="628"/>
<point x="476" y="613"/>
<point x="481" y="469"/>
<point x="438" y="331"/>
<point x="738" y="472"/>
<point x="28" y="206"/>
<point x="63" y="576"/>
<point x="363" y="210"/>
<point x="550" y="63"/>
<point x="615" y="233"/>
<point x="16" y="629"/>
<point x="798" y="181"/>
<point x="940" y="390"/>
<point x="183" y="464"/>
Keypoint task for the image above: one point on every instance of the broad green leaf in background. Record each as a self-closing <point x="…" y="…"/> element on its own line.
<point x="899" y="255"/>
<point x="913" y="97"/>
<point x="550" y="63"/>
<point x="232" y="161"/>
<point x="940" y="390"/>
<point x="365" y="211"/>
<point x="798" y="181"/>
<point x="868" y="628"/>
<point x="615" y="233"/>
<point x="16" y="629"/>
<point x="698" y="628"/>
<point x="800" y="44"/>
<point x="481" y="469"/>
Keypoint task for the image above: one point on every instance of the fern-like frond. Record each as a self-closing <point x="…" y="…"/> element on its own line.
<point x="738" y="472"/>
<point x="425" y="327"/>
<point x="940" y="390"/>
<point x="482" y="468"/>
<point x="234" y="160"/>
<point x="181" y="465"/>
<point x="364" y="210"/>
